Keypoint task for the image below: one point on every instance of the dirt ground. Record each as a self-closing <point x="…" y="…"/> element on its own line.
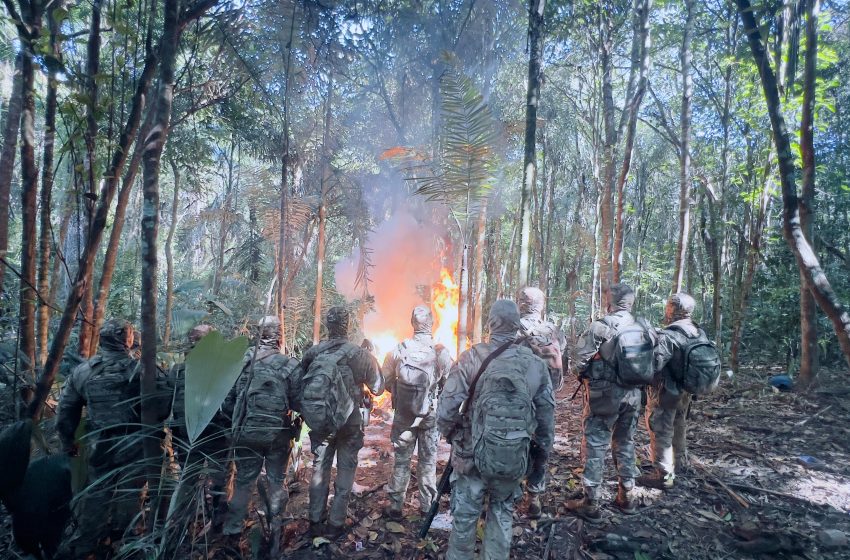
<point x="770" y="478"/>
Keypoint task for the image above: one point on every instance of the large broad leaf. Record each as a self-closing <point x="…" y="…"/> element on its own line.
<point x="212" y="368"/>
<point x="184" y="319"/>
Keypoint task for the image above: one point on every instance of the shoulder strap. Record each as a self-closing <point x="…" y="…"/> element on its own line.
<point x="680" y="330"/>
<point x="492" y="356"/>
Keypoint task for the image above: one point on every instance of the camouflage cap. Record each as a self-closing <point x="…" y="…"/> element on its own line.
<point x="682" y="305"/>
<point x="269" y="328"/>
<point x="117" y="334"/>
<point x="531" y="301"/>
<point x="422" y="320"/>
<point x="504" y="317"/>
<point x="622" y="297"/>
<point x="198" y="332"/>
<point x="337" y="321"/>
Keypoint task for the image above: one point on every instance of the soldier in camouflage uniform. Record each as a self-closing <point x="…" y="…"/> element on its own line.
<point x="540" y="333"/>
<point x="346" y="442"/>
<point x="260" y="406"/>
<point x="211" y="447"/>
<point x="610" y="411"/>
<point x="429" y="364"/>
<point x="107" y="385"/>
<point x="667" y="404"/>
<point x="469" y="488"/>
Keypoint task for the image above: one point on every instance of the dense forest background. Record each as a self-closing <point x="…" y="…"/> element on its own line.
<point x="205" y="160"/>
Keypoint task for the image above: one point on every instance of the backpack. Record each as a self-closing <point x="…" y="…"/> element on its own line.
<point x="631" y="353"/>
<point x="503" y="420"/>
<point x="112" y="393"/>
<point x="545" y="345"/>
<point x="700" y="366"/>
<point x="326" y="403"/>
<point x="266" y="401"/>
<point x="415" y="381"/>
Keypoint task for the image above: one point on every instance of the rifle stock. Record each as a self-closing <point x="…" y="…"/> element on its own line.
<point x="442" y="488"/>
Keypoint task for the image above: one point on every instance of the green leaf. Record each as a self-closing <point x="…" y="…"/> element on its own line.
<point x="212" y="368"/>
<point x="184" y="319"/>
<point x="394" y="527"/>
<point x="79" y="464"/>
<point x="642" y="555"/>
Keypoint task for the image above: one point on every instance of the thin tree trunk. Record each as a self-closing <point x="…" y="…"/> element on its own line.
<point x="606" y="223"/>
<point x="548" y="245"/>
<point x="808" y="311"/>
<point x="282" y="255"/>
<point x="477" y="305"/>
<point x="463" y="303"/>
<point x="29" y="186"/>
<point x="7" y="157"/>
<point x="169" y="258"/>
<point x="56" y="273"/>
<point x="640" y="65"/>
<point x="684" y="150"/>
<point x="532" y="99"/>
<point x="90" y="137"/>
<point x="224" y="228"/>
<point x="46" y="193"/>
<point x="320" y="251"/>
<point x="806" y="258"/>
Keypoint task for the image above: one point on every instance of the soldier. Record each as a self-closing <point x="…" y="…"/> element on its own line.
<point x="211" y="446"/>
<point x="107" y="385"/>
<point x="683" y="349"/>
<point x="614" y="361"/>
<point x="263" y="430"/>
<point x="413" y="372"/>
<point x="331" y="376"/>
<point x="547" y="341"/>
<point x="508" y="392"/>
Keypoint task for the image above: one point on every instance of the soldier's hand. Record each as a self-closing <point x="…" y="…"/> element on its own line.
<point x="367" y="345"/>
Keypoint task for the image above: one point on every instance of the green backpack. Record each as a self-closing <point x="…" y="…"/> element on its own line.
<point x="503" y="420"/>
<point x="699" y="371"/>
<point x="266" y="400"/>
<point x="326" y="402"/>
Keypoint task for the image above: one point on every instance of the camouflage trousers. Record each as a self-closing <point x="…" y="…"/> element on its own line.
<point x="610" y="419"/>
<point x="110" y="504"/>
<point x="249" y="461"/>
<point x="345" y="445"/>
<point x="423" y="438"/>
<point x="468" y="493"/>
<point x="667" y="424"/>
<point x="537" y="460"/>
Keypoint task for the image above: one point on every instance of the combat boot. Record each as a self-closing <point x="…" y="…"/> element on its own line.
<point x="625" y="500"/>
<point x="392" y="512"/>
<point x="657" y="479"/>
<point x="586" y="508"/>
<point x="535" y="510"/>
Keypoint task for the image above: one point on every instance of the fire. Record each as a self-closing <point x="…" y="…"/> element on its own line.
<point x="444" y="301"/>
<point x="445" y="295"/>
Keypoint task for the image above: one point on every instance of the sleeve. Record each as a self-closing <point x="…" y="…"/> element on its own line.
<point x="444" y="365"/>
<point x="390" y="369"/>
<point x="664" y="350"/>
<point x="70" y="410"/>
<point x="296" y="374"/>
<point x="454" y="393"/>
<point x="544" y="409"/>
<point x="366" y="370"/>
<point x="588" y="345"/>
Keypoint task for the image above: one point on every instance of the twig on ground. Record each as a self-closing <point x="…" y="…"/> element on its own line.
<point x="812" y="417"/>
<point x="737" y="497"/>
<point x="548" y="542"/>
<point x="773" y="493"/>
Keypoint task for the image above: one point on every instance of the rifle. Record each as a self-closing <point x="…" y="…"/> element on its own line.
<point x="443" y="485"/>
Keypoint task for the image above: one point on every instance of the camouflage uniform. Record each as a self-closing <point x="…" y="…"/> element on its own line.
<point x="531" y="308"/>
<point x="469" y="489"/>
<point x="107" y="385"/>
<point x="667" y="404"/>
<point x="610" y="411"/>
<point x="249" y="455"/>
<point x="211" y="446"/>
<point x="410" y="432"/>
<point x="345" y="444"/>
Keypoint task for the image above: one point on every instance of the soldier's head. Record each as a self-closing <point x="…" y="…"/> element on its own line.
<point x="503" y="321"/>
<point x="531" y="302"/>
<point x="679" y="306"/>
<point x="337" y="322"/>
<point x="422" y="320"/>
<point x="198" y="332"/>
<point x="117" y="335"/>
<point x="621" y="298"/>
<point x="269" y="327"/>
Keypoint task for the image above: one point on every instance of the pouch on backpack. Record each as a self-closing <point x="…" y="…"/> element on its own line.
<point x="700" y="368"/>
<point x="630" y="352"/>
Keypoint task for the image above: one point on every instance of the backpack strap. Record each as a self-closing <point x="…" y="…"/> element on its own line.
<point x="492" y="356"/>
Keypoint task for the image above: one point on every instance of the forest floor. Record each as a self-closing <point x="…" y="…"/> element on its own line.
<point x="770" y="478"/>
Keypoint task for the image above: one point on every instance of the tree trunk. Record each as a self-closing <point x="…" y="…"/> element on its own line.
<point x="29" y="189"/>
<point x="478" y="303"/>
<point x="90" y="137"/>
<point x="806" y="259"/>
<point x="532" y="99"/>
<point x="224" y="228"/>
<point x="684" y="150"/>
<point x="640" y="65"/>
<point x="463" y="300"/>
<point x="808" y="311"/>
<point x="46" y="194"/>
<point x="169" y="258"/>
<point x="606" y="220"/>
<point x="325" y="187"/>
<point x="548" y="245"/>
<point x="7" y="158"/>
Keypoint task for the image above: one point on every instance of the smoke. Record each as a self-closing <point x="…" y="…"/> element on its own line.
<point x="405" y="257"/>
